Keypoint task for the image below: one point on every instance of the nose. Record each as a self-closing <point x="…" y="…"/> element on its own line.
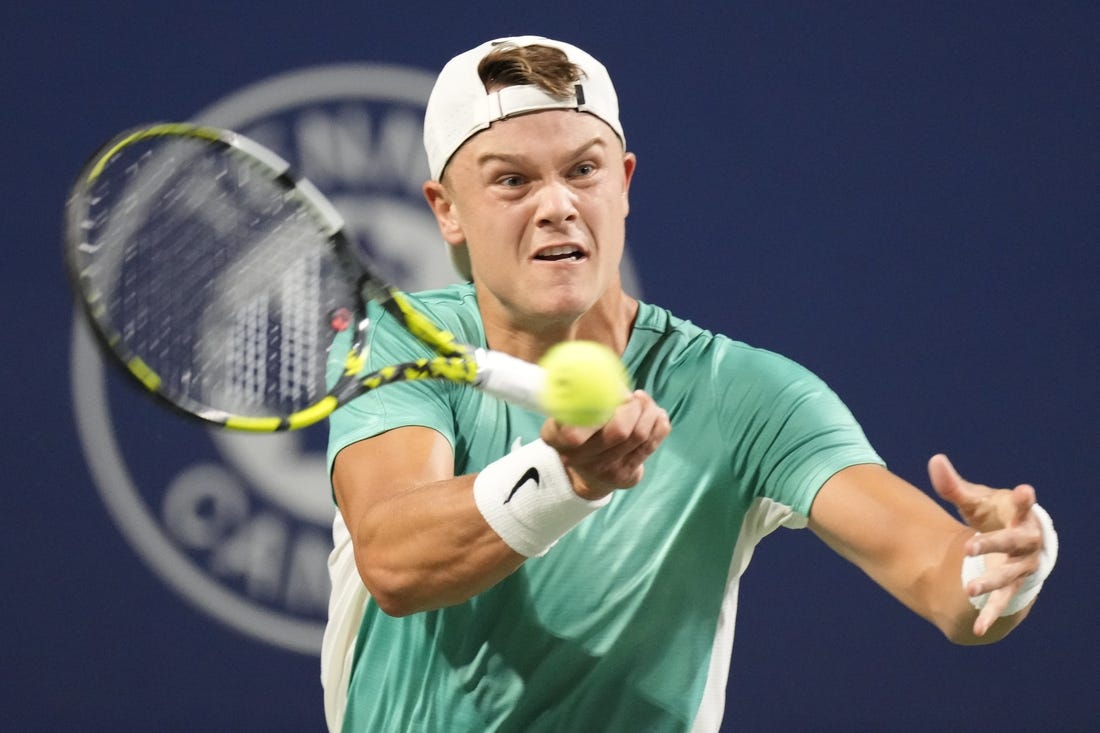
<point x="557" y="204"/>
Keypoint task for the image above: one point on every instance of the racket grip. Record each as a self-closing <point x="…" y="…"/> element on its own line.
<point x="510" y="379"/>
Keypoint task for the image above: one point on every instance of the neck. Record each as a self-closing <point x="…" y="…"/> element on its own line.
<point x="609" y="322"/>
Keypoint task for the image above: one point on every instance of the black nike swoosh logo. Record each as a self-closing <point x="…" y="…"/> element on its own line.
<point x="531" y="474"/>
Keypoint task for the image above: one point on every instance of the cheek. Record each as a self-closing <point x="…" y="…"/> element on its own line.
<point x="612" y="227"/>
<point x="497" y="227"/>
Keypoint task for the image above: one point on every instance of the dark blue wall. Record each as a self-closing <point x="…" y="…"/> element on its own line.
<point x="902" y="196"/>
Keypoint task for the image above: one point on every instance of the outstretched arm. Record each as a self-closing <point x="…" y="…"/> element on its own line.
<point x="420" y="539"/>
<point x="915" y="550"/>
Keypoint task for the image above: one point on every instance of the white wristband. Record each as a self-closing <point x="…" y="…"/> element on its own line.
<point x="974" y="566"/>
<point x="528" y="499"/>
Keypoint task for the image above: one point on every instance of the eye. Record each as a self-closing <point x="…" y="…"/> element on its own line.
<point x="512" y="180"/>
<point x="584" y="170"/>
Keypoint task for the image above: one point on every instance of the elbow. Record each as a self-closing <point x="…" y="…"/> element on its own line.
<point x="393" y="595"/>
<point x="958" y="627"/>
<point x="391" y="585"/>
<point x="394" y="605"/>
<point x="940" y="599"/>
<point x="962" y="632"/>
<point x="404" y="591"/>
<point x="390" y="600"/>
<point x="967" y="637"/>
<point x="400" y="593"/>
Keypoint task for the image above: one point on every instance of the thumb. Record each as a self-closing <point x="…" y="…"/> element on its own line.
<point x="970" y="499"/>
<point x="563" y="437"/>
<point x="946" y="480"/>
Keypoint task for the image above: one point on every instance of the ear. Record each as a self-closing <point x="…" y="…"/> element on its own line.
<point x="446" y="215"/>
<point x="630" y="162"/>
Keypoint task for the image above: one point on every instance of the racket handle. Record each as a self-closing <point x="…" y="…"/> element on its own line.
<point x="511" y="379"/>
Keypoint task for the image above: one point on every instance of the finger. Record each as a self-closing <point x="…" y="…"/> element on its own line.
<point x="634" y="461"/>
<point x="1021" y="540"/>
<point x="1007" y="523"/>
<point x="996" y="604"/>
<point x="1002" y="575"/>
<point x="981" y="507"/>
<point x="622" y="464"/>
<point x="574" y="439"/>
<point x="946" y="480"/>
<point x="621" y="434"/>
<point x="1023" y="498"/>
<point x="617" y="451"/>
<point x="650" y="429"/>
<point x="659" y="431"/>
<point x="564" y="437"/>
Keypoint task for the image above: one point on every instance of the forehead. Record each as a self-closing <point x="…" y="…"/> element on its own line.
<point x="558" y="131"/>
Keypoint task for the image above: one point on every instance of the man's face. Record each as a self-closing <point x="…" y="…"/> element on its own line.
<point x="541" y="202"/>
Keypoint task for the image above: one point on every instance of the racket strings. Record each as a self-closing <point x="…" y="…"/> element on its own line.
<point x="215" y="272"/>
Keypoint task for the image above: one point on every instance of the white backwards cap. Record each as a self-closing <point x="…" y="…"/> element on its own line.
<point x="459" y="107"/>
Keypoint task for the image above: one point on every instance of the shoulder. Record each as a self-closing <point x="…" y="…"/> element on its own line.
<point x="453" y="307"/>
<point x="680" y="343"/>
<point x="455" y="296"/>
<point x="458" y="299"/>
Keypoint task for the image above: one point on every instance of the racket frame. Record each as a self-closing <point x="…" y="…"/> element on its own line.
<point x="499" y="374"/>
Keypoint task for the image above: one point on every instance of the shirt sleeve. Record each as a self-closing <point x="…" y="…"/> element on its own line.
<point x="791" y="432"/>
<point x="425" y="402"/>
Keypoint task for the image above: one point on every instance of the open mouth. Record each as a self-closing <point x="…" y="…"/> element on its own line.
<point x="566" y="252"/>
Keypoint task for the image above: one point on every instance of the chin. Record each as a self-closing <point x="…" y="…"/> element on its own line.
<point x="564" y="304"/>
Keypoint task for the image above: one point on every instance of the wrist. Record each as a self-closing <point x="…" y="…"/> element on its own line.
<point x="528" y="498"/>
<point x="584" y="490"/>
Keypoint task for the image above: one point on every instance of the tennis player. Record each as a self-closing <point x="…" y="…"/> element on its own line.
<point x="494" y="571"/>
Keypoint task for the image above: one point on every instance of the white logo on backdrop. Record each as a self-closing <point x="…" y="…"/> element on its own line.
<point x="240" y="524"/>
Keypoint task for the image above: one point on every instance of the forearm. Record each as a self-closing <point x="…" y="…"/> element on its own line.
<point x="425" y="538"/>
<point x="428" y="547"/>
<point x="927" y="583"/>
<point x="907" y="544"/>
<point x="419" y="540"/>
<point x="942" y="599"/>
<point x="423" y="541"/>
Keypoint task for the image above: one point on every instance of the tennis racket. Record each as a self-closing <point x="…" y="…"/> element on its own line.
<point x="219" y="280"/>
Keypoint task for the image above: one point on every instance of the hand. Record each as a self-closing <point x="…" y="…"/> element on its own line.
<point x="600" y="460"/>
<point x="1008" y="535"/>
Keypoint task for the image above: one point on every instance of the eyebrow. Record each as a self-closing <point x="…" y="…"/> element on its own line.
<point x="490" y="157"/>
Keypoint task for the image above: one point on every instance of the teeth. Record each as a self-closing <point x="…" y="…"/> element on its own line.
<point x="560" y="251"/>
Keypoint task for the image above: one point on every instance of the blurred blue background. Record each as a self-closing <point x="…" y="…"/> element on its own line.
<point x="902" y="196"/>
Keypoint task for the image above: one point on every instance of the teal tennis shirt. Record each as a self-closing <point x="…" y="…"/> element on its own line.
<point x="627" y="623"/>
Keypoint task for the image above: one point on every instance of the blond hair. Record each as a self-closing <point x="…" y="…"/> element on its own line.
<point x="546" y="67"/>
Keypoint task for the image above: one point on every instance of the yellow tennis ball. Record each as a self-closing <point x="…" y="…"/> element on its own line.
<point x="585" y="382"/>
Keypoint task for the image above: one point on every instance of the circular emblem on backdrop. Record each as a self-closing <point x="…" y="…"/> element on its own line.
<point x="240" y="524"/>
